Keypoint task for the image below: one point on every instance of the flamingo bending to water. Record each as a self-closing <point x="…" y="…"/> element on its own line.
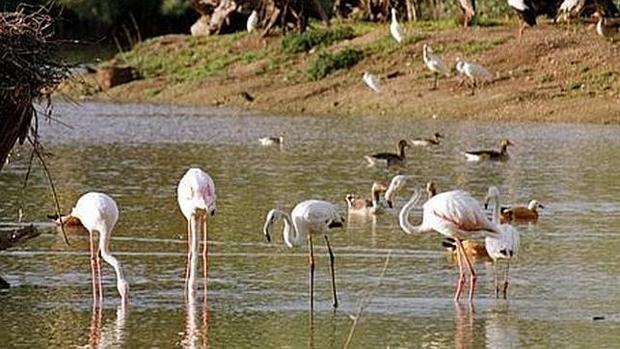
<point x="307" y="218"/>
<point x="454" y="214"/>
<point x="196" y="197"/>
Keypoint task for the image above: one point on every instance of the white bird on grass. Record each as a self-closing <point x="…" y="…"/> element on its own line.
<point x="570" y="9"/>
<point x="307" y="218"/>
<point x="252" y="21"/>
<point x="454" y="214"/>
<point x="395" y="29"/>
<point x="434" y="63"/>
<point x="474" y="71"/>
<point x="196" y="197"/>
<point x="506" y="246"/>
<point x="98" y="212"/>
<point x="372" y="81"/>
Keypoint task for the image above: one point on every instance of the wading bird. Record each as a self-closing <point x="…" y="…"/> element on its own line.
<point x="469" y="11"/>
<point x="570" y="9"/>
<point x="475" y="251"/>
<point x="252" y="21"/>
<point x="196" y="198"/>
<point x="307" y="218"/>
<point x="98" y="213"/>
<point x="425" y="142"/>
<point x="364" y="206"/>
<point x="521" y="213"/>
<point x="395" y="29"/>
<point x="372" y="81"/>
<point x="505" y="246"/>
<point x="434" y="63"/>
<point x="396" y="184"/>
<point x="492" y="155"/>
<point x="389" y="159"/>
<point x="454" y="214"/>
<point x="528" y="10"/>
<point x="476" y="73"/>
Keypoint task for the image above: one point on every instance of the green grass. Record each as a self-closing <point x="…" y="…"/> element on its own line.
<point x="304" y="42"/>
<point x="328" y="63"/>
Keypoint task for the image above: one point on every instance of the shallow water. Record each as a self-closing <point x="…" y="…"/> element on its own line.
<point x="566" y="274"/>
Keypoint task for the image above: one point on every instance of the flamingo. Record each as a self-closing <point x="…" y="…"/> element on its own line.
<point x="425" y="142"/>
<point x="252" y="21"/>
<point x="434" y="63"/>
<point x="395" y="29"/>
<point x="454" y="214"/>
<point x="363" y="206"/>
<point x="389" y="159"/>
<point x="396" y="184"/>
<point x="521" y="213"/>
<point x="492" y="155"/>
<point x="506" y="246"/>
<point x="371" y="81"/>
<point x="196" y="197"/>
<point x="307" y="218"/>
<point x="97" y="212"/>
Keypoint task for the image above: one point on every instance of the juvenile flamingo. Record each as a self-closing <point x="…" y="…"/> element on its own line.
<point x="196" y="197"/>
<point x="454" y="214"/>
<point x="98" y="212"/>
<point x="307" y="218"/>
<point x="506" y="246"/>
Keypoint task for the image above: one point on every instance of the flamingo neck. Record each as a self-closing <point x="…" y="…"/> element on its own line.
<point x="496" y="210"/>
<point x="290" y="233"/>
<point x="403" y="216"/>
<point x="121" y="282"/>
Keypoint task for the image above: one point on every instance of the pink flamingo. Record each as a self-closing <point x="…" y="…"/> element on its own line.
<point x="454" y="214"/>
<point x="196" y="197"/>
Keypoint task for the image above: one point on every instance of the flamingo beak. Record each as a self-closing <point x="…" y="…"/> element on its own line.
<point x="390" y="204"/>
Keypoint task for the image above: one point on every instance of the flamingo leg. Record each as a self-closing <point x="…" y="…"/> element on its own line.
<point x="189" y="254"/>
<point x="99" y="283"/>
<point x="332" y="272"/>
<point x="93" y="268"/>
<point x="461" y="280"/>
<point x="506" y="280"/>
<point x="311" y="264"/>
<point x="495" y="282"/>
<point x="434" y="87"/>
<point x="205" y="248"/>
<point x="472" y="272"/>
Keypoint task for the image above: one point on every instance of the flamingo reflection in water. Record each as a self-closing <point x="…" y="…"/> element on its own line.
<point x="111" y="335"/>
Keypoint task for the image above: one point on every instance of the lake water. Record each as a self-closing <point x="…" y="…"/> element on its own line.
<point x="568" y="271"/>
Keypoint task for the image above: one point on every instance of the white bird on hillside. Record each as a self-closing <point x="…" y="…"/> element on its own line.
<point x="474" y="71"/>
<point x="395" y="29"/>
<point x="196" y="198"/>
<point x="307" y="218"/>
<point x="506" y="246"/>
<point x="434" y="63"/>
<point x="372" y="82"/>
<point x="454" y="214"/>
<point x="252" y="21"/>
<point x="98" y="212"/>
<point x="570" y="9"/>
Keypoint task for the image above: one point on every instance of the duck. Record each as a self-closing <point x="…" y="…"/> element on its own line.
<point x="425" y="142"/>
<point x="475" y="251"/>
<point x="492" y="155"/>
<point x="365" y="206"/>
<point x="522" y="213"/>
<point x="431" y="189"/>
<point x="390" y="159"/>
<point x="605" y="27"/>
<point x="267" y="141"/>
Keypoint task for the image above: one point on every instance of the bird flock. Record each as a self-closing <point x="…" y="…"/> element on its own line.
<point x="456" y="215"/>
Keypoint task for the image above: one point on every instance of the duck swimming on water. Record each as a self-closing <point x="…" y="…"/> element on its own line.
<point x="492" y="155"/>
<point x="389" y="159"/>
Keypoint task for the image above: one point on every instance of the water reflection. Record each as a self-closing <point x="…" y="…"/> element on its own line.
<point x="501" y="330"/>
<point x="464" y="325"/>
<point x="196" y="333"/>
<point x="110" y="336"/>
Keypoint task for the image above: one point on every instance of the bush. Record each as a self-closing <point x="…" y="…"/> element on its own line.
<point x="327" y="63"/>
<point x="304" y="42"/>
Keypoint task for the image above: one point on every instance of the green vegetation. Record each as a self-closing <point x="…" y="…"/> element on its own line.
<point x="327" y="63"/>
<point x="304" y="42"/>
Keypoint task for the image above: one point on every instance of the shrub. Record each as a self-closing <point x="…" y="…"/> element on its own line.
<point x="327" y="63"/>
<point x="304" y="42"/>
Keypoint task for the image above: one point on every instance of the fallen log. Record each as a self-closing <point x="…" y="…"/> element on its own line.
<point x="11" y="238"/>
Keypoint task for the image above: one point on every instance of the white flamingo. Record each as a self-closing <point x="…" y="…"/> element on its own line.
<point x="474" y="71"/>
<point x="395" y="29"/>
<point x="396" y="184"/>
<point x="434" y="63"/>
<point x="307" y="218"/>
<point x="506" y="246"/>
<point x="454" y="214"/>
<point x="196" y="197"/>
<point x="372" y="81"/>
<point x="252" y="21"/>
<point x="98" y="213"/>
